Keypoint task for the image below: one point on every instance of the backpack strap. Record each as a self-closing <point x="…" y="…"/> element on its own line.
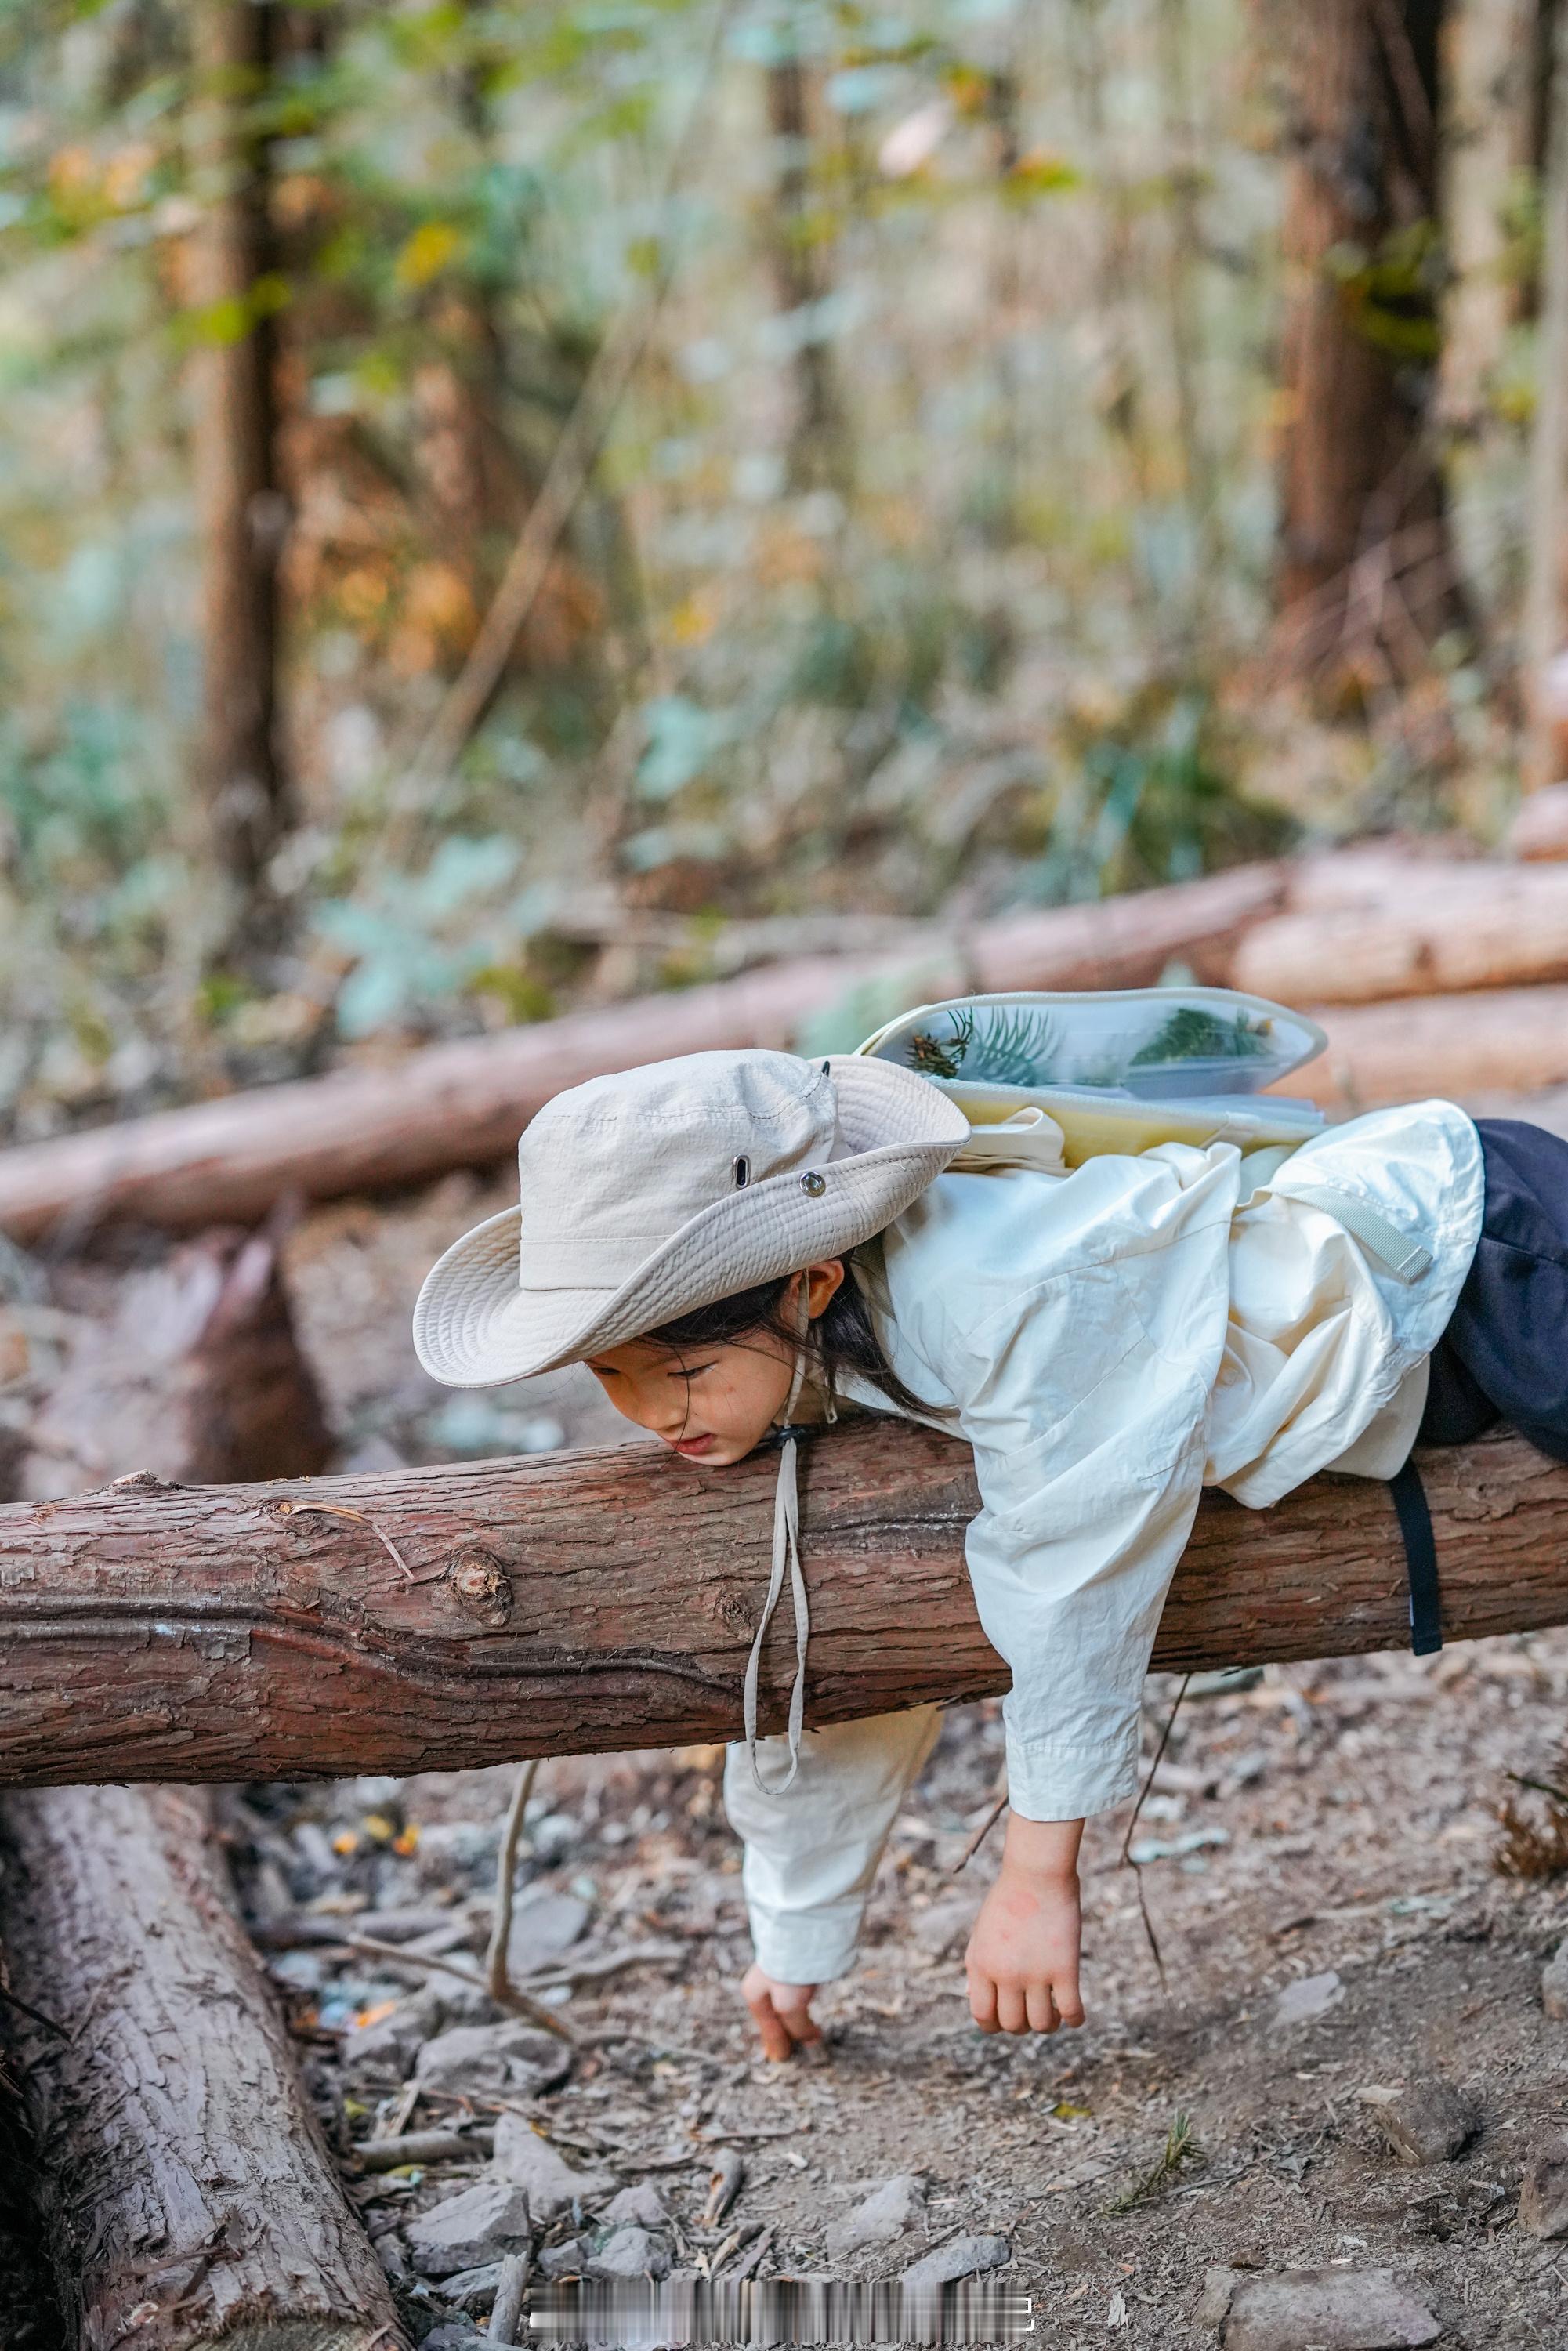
<point x="1420" y="1558"/>
<point x="1404" y="1260"/>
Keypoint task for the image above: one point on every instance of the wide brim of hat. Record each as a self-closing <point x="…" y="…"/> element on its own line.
<point x="474" y="1326"/>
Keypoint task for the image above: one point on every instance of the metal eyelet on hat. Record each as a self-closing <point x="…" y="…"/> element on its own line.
<point x="814" y="1184"/>
<point x="740" y="1166"/>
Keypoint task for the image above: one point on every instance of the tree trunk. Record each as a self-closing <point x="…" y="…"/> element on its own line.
<point x="816" y="427"/>
<point x="242" y="512"/>
<point x="1545" y="668"/>
<point x="1486" y="125"/>
<point x="463" y="1104"/>
<point x="185" y="2183"/>
<point x="437" y="1619"/>
<point x="1365" y="580"/>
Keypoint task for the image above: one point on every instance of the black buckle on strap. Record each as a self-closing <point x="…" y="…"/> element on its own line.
<point x="1420" y="1560"/>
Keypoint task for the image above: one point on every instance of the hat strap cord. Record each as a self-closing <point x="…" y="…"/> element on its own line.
<point x="786" y="1554"/>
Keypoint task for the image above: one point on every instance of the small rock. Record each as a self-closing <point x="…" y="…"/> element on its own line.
<point x="960" y="2259"/>
<point x="1308" y="1996"/>
<point x="1544" y="2191"/>
<point x="561" y="2260"/>
<point x="544" y="1929"/>
<point x="478" y="2225"/>
<point x="897" y="2205"/>
<point x="455" y="2337"/>
<point x="524" y="2159"/>
<point x="643" y="2207"/>
<point x="1314" y="2310"/>
<point x="631" y="2253"/>
<point x="1554" y="1984"/>
<point x="511" y="2056"/>
<point x="473" y="2290"/>
<point x="1428" y="2122"/>
<point x="393" y="2041"/>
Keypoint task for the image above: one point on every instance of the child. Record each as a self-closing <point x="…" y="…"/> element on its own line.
<point x="735" y="1240"/>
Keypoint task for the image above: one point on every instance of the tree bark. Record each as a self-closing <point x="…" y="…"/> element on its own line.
<point x="816" y="456"/>
<point x="241" y="510"/>
<point x="185" y="2183"/>
<point x="1365" y="580"/>
<point x="1472" y="926"/>
<point x="433" y="1620"/>
<point x="464" y="1104"/>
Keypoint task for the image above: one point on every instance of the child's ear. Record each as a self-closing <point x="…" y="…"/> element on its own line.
<point x="821" y="1283"/>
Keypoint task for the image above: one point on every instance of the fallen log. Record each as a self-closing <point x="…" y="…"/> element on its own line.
<point x="430" y="1619"/>
<point x="185" y="2188"/>
<point x="464" y="1104"/>
<point x="1502" y="1041"/>
<point x="185" y="2194"/>
<point x="1453" y="927"/>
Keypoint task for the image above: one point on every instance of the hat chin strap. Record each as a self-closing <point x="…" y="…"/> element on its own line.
<point x="786" y="1554"/>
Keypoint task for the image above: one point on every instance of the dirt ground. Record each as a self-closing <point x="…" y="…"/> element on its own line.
<point x="1338" y="1819"/>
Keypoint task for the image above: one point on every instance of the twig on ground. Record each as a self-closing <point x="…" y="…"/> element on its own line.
<point x="987" y="1825"/>
<point x="517" y="2003"/>
<point x="1124" y="1860"/>
<point x="422" y="2147"/>
<point x="497" y="1968"/>
<point x="1180" y="2147"/>
<point x="724" y="2181"/>
<point x="594" y="1970"/>
<point x="508" y="2307"/>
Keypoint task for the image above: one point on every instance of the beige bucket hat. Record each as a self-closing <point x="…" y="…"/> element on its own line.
<point x="657" y="1190"/>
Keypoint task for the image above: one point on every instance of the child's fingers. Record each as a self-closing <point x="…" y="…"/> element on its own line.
<point x="782" y="2013"/>
<point x="1041" y="2009"/>
<point x="983" y="2001"/>
<point x="1069" y="2004"/>
<point x="1012" y="2011"/>
<point x="792" y="2006"/>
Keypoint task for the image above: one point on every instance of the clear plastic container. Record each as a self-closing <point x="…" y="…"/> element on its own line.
<point x="1118" y="1072"/>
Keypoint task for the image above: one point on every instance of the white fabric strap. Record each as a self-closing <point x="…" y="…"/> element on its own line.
<point x="786" y="1554"/>
<point x="1405" y="1259"/>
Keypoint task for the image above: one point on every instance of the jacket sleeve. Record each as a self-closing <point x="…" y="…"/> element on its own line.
<point x="1078" y="1330"/>
<point x="811" y="1852"/>
<point x="1070" y="1581"/>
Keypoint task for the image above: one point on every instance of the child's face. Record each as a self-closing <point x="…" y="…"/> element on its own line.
<point x="712" y="1404"/>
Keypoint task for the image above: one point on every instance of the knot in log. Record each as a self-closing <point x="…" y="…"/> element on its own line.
<point x="481" y="1587"/>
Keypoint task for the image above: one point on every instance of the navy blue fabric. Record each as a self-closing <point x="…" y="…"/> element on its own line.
<point x="1504" y="1356"/>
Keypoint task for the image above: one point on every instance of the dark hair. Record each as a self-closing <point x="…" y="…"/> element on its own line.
<point x="843" y="1337"/>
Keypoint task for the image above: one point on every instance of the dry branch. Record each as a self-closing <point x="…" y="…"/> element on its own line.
<point x="606" y="1600"/>
<point x="463" y="1104"/>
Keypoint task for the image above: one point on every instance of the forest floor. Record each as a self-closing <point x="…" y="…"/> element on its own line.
<point x="1332" y="1827"/>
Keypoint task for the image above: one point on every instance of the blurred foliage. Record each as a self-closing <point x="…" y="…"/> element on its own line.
<point x="934" y="588"/>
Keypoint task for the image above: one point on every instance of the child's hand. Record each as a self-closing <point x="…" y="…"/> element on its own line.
<point x="1022" y="1957"/>
<point x="783" y="2013"/>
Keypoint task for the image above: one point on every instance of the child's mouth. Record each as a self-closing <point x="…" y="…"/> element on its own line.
<point x="693" y="1448"/>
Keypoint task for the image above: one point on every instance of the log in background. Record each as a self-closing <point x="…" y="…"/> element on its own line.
<point x="606" y="1600"/>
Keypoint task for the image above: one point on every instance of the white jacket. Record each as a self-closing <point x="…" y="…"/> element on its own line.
<point x="1109" y="1341"/>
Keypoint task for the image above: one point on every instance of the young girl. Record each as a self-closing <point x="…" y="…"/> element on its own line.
<point x="737" y="1241"/>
